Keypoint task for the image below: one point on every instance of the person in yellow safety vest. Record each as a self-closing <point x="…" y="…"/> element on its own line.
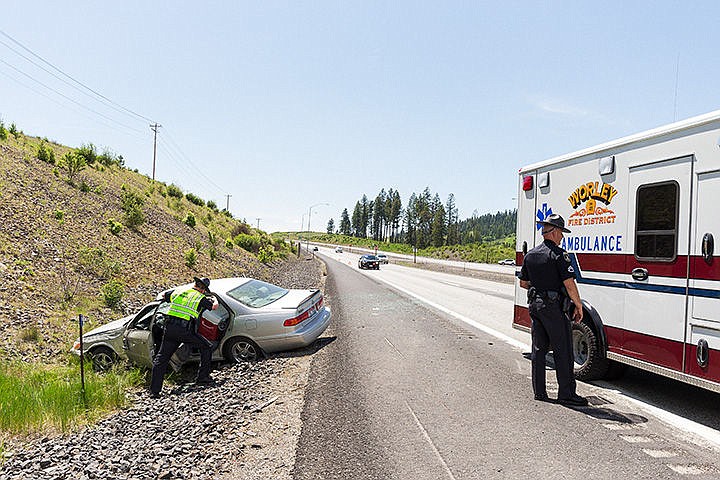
<point x="186" y="306"/>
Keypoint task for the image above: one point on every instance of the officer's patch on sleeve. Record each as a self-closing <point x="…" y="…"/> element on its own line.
<point x="570" y="269"/>
<point x="567" y="257"/>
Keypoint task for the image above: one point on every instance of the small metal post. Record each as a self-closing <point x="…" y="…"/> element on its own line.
<point x="81" y="320"/>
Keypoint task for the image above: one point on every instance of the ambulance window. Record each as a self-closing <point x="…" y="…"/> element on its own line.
<point x="657" y="222"/>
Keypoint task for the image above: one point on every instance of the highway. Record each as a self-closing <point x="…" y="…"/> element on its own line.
<point x="427" y="379"/>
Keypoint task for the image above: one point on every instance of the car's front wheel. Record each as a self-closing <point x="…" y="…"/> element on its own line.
<point x="103" y="358"/>
<point x="241" y="349"/>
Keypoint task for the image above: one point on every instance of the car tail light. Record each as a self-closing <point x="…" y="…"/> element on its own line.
<point x="527" y="183"/>
<point x="291" y="322"/>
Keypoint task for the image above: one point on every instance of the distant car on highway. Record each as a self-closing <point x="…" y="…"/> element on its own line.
<point x="253" y="317"/>
<point x="338" y="249"/>
<point x="315" y="248"/>
<point x="507" y="261"/>
<point x="382" y="257"/>
<point x="368" y="261"/>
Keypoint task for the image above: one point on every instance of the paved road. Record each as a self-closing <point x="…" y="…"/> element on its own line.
<point x="407" y="391"/>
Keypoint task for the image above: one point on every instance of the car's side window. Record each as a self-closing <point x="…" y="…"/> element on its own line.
<point x="143" y="322"/>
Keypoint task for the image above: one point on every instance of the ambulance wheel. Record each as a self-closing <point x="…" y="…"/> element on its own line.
<point x="103" y="359"/>
<point x="241" y="349"/>
<point x="590" y="361"/>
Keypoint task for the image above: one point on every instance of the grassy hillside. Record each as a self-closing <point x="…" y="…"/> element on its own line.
<point x="482" y="252"/>
<point x="100" y="240"/>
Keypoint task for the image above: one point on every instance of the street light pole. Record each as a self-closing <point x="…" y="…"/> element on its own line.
<point x="307" y="244"/>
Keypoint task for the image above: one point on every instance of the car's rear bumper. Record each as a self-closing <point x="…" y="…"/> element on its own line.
<point x="307" y="334"/>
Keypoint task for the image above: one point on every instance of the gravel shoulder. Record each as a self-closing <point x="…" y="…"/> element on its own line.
<point x="245" y="427"/>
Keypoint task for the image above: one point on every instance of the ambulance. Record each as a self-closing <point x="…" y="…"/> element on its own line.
<point x="643" y="212"/>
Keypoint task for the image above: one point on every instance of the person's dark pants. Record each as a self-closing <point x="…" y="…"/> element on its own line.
<point x="551" y="328"/>
<point x="178" y="331"/>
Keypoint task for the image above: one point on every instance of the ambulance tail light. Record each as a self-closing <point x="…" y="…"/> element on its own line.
<point x="527" y="183"/>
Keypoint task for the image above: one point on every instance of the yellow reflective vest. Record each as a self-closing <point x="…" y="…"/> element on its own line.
<point x="184" y="305"/>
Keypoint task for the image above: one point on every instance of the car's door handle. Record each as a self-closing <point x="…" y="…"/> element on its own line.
<point x="640" y="274"/>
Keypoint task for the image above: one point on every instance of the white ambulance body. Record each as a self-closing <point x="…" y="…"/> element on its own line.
<point x="643" y="211"/>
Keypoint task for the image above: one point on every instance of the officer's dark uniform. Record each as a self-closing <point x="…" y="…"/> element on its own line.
<point x="182" y="330"/>
<point x="546" y="267"/>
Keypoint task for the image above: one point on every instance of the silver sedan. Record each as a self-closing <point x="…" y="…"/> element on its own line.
<point x="253" y="318"/>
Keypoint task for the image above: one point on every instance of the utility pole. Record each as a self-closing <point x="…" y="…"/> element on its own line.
<point x="258" y="219"/>
<point x="227" y="202"/>
<point x="154" y="128"/>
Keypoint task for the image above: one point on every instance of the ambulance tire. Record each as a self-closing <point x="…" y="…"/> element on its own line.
<point x="241" y="349"/>
<point x="590" y="361"/>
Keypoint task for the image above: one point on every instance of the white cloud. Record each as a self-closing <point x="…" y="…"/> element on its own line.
<point x="559" y="107"/>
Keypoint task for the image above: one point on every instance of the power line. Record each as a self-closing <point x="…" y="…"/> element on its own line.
<point x="198" y="170"/>
<point x="57" y="102"/>
<point x="68" y="98"/>
<point x="127" y="110"/>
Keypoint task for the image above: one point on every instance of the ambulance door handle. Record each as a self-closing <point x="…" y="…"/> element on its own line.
<point x="640" y="274"/>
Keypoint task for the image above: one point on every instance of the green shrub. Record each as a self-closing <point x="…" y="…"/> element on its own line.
<point x="241" y="228"/>
<point x="13" y="129"/>
<point x="212" y="205"/>
<point x="213" y="253"/>
<point x="190" y="220"/>
<point x="43" y="153"/>
<point x="191" y="257"/>
<point x="132" y="204"/>
<point x="59" y="215"/>
<point x="73" y="163"/>
<point x="108" y="158"/>
<point x="212" y="238"/>
<point x="174" y="191"/>
<point x="88" y="153"/>
<point x="251" y="243"/>
<point x="84" y="187"/>
<point x="229" y="243"/>
<point x="112" y="293"/>
<point x="115" y="227"/>
<point x="3" y="131"/>
<point x="266" y="254"/>
<point x="195" y="199"/>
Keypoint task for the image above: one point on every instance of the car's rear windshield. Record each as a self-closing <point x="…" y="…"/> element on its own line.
<point x="257" y="294"/>
<point x="371" y="257"/>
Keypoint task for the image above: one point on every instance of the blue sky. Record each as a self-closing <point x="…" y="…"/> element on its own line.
<point x="284" y="105"/>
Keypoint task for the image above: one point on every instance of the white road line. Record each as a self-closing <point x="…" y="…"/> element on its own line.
<point x="394" y="347"/>
<point x="429" y="440"/>
<point x="710" y="436"/>
<point x="491" y="331"/>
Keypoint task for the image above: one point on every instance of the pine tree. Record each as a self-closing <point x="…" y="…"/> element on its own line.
<point x="345" y="228"/>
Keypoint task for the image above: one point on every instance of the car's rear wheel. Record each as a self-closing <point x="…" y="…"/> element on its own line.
<point x="241" y="349"/>
<point x="103" y="358"/>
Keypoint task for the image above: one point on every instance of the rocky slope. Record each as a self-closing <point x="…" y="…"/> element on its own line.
<point x="57" y="251"/>
<point x="245" y="427"/>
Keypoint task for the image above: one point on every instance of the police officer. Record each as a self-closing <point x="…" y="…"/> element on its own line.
<point x="545" y="271"/>
<point x="185" y="308"/>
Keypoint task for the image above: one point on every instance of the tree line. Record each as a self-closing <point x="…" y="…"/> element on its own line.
<point x="425" y="221"/>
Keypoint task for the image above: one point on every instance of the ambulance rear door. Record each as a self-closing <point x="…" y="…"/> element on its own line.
<point x="655" y="311"/>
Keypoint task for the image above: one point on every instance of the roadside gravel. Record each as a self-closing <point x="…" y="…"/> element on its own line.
<point x="244" y="427"/>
